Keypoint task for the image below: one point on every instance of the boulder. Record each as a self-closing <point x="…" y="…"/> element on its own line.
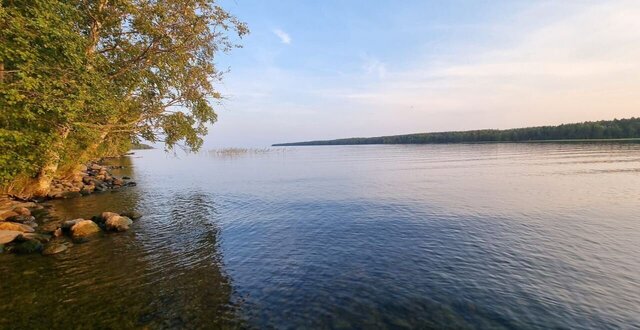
<point x="53" y="248"/>
<point x="84" y="229"/>
<point x="22" y="211"/>
<point x="16" y="226"/>
<point x="118" y="223"/>
<point x="106" y="215"/>
<point x="26" y="247"/>
<point x="7" y="236"/>
<point x="133" y="215"/>
<point x="95" y="167"/>
<point x="8" y="214"/>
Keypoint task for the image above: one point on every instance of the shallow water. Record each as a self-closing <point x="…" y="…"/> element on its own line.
<point x="516" y="236"/>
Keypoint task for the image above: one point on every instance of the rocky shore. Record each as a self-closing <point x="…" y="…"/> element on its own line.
<point x="26" y="226"/>
<point x="87" y="180"/>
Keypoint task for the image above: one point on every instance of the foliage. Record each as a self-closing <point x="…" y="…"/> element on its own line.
<point x="82" y="79"/>
<point x="612" y="129"/>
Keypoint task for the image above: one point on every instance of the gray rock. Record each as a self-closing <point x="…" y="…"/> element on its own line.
<point x="66" y="225"/>
<point x="118" y="223"/>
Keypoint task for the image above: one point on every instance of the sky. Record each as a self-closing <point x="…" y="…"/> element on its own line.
<point x="329" y="69"/>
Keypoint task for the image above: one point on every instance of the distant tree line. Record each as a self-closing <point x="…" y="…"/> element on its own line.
<point x="605" y="129"/>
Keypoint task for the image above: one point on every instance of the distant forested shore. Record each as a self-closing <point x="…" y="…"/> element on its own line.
<point x="596" y="130"/>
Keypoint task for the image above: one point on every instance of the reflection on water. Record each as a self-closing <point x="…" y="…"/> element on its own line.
<point x="435" y="236"/>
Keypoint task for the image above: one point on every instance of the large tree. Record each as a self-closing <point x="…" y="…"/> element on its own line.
<point x="85" y="77"/>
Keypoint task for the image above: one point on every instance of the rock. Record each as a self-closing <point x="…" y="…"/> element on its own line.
<point x="133" y="215"/>
<point x="131" y="184"/>
<point x="28" y="205"/>
<point x="8" y="214"/>
<point x="22" y="218"/>
<point x="57" y="232"/>
<point x="7" y="236"/>
<point x="16" y="226"/>
<point x="82" y="168"/>
<point x="118" y="223"/>
<point x="22" y="211"/>
<point x="106" y="215"/>
<point x="66" y="225"/>
<point x="126" y="178"/>
<point x="118" y="182"/>
<point x="34" y="236"/>
<point x="53" y="248"/>
<point x="95" y="167"/>
<point x="26" y="247"/>
<point x="84" y="229"/>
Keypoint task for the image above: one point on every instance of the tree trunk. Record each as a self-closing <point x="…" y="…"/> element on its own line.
<point x="50" y="166"/>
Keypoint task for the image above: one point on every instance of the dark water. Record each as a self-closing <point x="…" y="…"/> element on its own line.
<point x="513" y="236"/>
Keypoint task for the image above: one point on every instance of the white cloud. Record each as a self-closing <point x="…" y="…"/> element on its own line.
<point x="285" y="38"/>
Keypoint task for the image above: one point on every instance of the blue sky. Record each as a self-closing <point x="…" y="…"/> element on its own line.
<point x="329" y="69"/>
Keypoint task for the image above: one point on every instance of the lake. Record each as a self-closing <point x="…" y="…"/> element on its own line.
<point x="478" y="236"/>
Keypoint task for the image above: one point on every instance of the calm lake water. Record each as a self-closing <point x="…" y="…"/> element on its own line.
<point x="513" y="236"/>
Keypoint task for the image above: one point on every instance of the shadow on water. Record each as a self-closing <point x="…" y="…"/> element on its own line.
<point x="166" y="272"/>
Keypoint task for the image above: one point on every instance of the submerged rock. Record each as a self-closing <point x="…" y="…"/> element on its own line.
<point x="43" y="238"/>
<point x="118" y="223"/>
<point x="7" y="236"/>
<point x="16" y="226"/>
<point x="54" y="248"/>
<point x="133" y="215"/>
<point x="84" y="229"/>
<point x="26" y="247"/>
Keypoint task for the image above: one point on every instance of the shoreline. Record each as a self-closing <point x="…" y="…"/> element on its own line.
<point x="28" y="226"/>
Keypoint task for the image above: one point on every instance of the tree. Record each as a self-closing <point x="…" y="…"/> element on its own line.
<point x="79" y="79"/>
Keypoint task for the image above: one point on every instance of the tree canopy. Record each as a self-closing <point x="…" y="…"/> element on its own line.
<point x="82" y="79"/>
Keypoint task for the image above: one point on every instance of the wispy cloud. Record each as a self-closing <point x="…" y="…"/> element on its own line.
<point x="285" y="38"/>
<point x="374" y="66"/>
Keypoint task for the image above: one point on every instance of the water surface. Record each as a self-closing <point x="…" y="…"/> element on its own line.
<point x="513" y="236"/>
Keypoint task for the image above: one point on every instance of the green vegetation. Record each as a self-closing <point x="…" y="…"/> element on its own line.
<point x="605" y="129"/>
<point x="85" y="79"/>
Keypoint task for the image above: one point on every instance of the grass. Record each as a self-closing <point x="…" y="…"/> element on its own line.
<point x="234" y="152"/>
